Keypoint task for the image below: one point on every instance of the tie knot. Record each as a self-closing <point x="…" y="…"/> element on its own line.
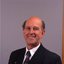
<point x="28" y="53"/>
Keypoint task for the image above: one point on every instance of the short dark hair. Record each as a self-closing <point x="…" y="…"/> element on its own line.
<point x="43" y="24"/>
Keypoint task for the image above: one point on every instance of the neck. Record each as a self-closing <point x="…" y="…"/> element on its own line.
<point x="31" y="46"/>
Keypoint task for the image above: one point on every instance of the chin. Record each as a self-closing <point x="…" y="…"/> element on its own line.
<point x="32" y="44"/>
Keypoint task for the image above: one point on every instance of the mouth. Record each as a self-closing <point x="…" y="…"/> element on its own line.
<point x="32" y="36"/>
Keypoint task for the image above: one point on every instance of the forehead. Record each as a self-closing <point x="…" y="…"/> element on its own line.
<point x="34" y="22"/>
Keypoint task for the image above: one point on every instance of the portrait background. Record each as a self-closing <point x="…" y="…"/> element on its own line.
<point x="0" y="30"/>
<point x="15" y="12"/>
<point x="63" y="35"/>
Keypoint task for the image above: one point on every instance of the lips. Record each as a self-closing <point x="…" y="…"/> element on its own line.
<point x="32" y="35"/>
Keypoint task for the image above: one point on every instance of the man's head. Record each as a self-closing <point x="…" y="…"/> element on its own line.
<point x="34" y="29"/>
<point x="43" y="24"/>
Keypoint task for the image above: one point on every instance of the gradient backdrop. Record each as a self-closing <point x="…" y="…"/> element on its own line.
<point x="63" y="36"/>
<point x="13" y="14"/>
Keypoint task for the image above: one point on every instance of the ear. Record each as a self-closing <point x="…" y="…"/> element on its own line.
<point x="43" y="32"/>
<point x="23" y="30"/>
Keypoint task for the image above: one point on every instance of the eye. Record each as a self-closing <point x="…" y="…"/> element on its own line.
<point x="35" y="28"/>
<point x="27" y="28"/>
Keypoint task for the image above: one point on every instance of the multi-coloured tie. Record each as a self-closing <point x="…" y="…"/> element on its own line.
<point x="27" y="58"/>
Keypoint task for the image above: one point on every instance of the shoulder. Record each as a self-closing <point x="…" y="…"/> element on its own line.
<point x="52" y="54"/>
<point x="47" y="52"/>
<point x="18" y="51"/>
<point x="52" y="57"/>
<point x="15" y="55"/>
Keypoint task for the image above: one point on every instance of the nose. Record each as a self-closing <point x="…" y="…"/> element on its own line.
<point x="31" y="31"/>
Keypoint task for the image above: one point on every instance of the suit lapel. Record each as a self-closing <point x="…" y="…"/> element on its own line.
<point x="37" y="58"/>
<point x="21" y="56"/>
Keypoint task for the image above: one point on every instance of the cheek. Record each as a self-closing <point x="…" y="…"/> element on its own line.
<point x="25" y="35"/>
<point x="25" y="32"/>
<point x="40" y="35"/>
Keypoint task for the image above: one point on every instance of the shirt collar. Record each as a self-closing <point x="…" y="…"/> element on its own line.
<point x="33" y="50"/>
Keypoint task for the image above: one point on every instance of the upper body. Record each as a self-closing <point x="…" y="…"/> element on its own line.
<point x="41" y="56"/>
<point x="34" y="30"/>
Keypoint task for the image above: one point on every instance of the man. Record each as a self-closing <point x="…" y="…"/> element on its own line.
<point x="34" y="30"/>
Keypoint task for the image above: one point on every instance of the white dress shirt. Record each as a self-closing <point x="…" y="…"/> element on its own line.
<point x="32" y="52"/>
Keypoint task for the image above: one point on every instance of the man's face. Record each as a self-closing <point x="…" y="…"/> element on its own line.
<point x="33" y="31"/>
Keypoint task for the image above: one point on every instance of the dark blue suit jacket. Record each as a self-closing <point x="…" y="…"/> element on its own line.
<point x="41" y="56"/>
